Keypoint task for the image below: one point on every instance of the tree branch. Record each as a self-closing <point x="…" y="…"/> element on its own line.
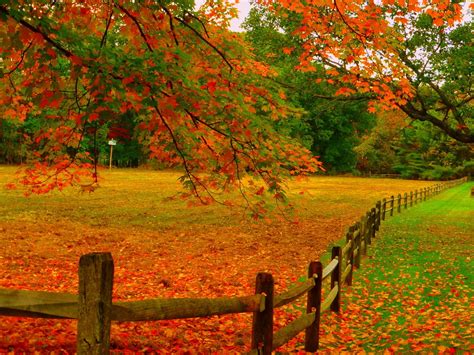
<point x="460" y="136"/>
<point x="137" y="24"/>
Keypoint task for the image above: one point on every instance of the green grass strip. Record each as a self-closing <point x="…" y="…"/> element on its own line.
<point x="414" y="291"/>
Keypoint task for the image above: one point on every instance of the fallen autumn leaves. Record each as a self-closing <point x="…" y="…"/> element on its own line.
<point x="41" y="251"/>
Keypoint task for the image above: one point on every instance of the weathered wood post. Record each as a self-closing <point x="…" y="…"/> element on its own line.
<point x="425" y="192"/>
<point x="416" y="197"/>
<point x="96" y="274"/>
<point x="384" y="206"/>
<point x="313" y="304"/>
<point x="405" y="196"/>
<point x="392" y="203"/>
<point x="357" y="246"/>
<point x="378" y="207"/>
<point x="336" y="279"/>
<point x="411" y="198"/>
<point x="350" y="254"/>
<point x="366" y="232"/>
<point x="262" y="325"/>
<point x="374" y="223"/>
<point x="399" y="207"/>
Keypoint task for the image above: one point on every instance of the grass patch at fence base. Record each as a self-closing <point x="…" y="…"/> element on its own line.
<point x="414" y="291"/>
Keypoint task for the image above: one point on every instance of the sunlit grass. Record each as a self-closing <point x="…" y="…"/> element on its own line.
<point x="143" y="198"/>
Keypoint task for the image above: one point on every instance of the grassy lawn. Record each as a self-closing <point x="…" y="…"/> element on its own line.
<point x="163" y="248"/>
<point x="414" y="292"/>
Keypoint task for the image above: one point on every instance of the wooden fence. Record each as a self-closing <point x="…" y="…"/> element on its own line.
<point x="94" y="309"/>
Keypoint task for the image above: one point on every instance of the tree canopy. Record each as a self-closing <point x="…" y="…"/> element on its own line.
<point x="198" y="97"/>
<point x="414" y="55"/>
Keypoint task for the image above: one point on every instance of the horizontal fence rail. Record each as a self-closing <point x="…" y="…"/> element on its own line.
<point x="94" y="309"/>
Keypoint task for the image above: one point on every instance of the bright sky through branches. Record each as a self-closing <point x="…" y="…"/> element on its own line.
<point x="243" y="6"/>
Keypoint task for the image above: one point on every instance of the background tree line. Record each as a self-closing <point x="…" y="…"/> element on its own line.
<point x="428" y="137"/>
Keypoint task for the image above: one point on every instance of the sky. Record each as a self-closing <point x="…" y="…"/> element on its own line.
<point x="243" y="6"/>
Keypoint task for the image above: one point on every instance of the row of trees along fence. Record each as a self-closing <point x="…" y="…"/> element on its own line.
<point x="94" y="309"/>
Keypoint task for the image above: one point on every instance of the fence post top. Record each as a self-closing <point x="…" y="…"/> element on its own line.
<point x="98" y="256"/>
<point x="265" y="276"/>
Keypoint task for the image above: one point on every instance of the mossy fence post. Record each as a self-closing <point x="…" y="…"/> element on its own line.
<point x="336" y="278"/>
<point x="374" y="223"/>
<point x="311" y="340"/>
<point x="350" y="254"/>
<point x="378" y="207"/>
<point x="96" y="274"/>
<point x="384" y="206"/>
<point x="262" y="325"/>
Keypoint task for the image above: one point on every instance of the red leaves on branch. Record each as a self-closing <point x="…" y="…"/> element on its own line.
<point x="192" y="89"/>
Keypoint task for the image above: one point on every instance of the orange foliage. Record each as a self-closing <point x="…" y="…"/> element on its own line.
<point x="200" y="99"/>
<point x="361" y="39"/>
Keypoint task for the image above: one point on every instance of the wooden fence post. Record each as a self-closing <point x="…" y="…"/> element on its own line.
<point x="416" y="197"/>
<point x="411" y="198"/>
<point x="96" y="277"/>
<point x="399" y="209"/>
<point x="336" y="279"/>
<point x="378" y="207"/>
<point x="374" y="223"/>
<point x="425" y="191"/>
<point x="357" y="245"/>
<point x="311" y="340"/>
<point x="262" y="325"/>
<point x="392" y="203"/>
<point x="384" y="205"/>
<point x="405" y="196"/>
<point x="350" y="255"/>
<point x="366" y="232"/>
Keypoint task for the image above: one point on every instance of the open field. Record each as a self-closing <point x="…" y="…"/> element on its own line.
<point x="165" y="249"/>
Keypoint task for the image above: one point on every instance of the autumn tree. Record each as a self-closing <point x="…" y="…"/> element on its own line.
<point x="330" y="125"/>
<point x="413" y="55"/>
<point x="197" y="96"/>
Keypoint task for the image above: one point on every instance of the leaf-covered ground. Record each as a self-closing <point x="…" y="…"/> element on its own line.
<point x="415" y="290"/>
<point x="164" y="249"/>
